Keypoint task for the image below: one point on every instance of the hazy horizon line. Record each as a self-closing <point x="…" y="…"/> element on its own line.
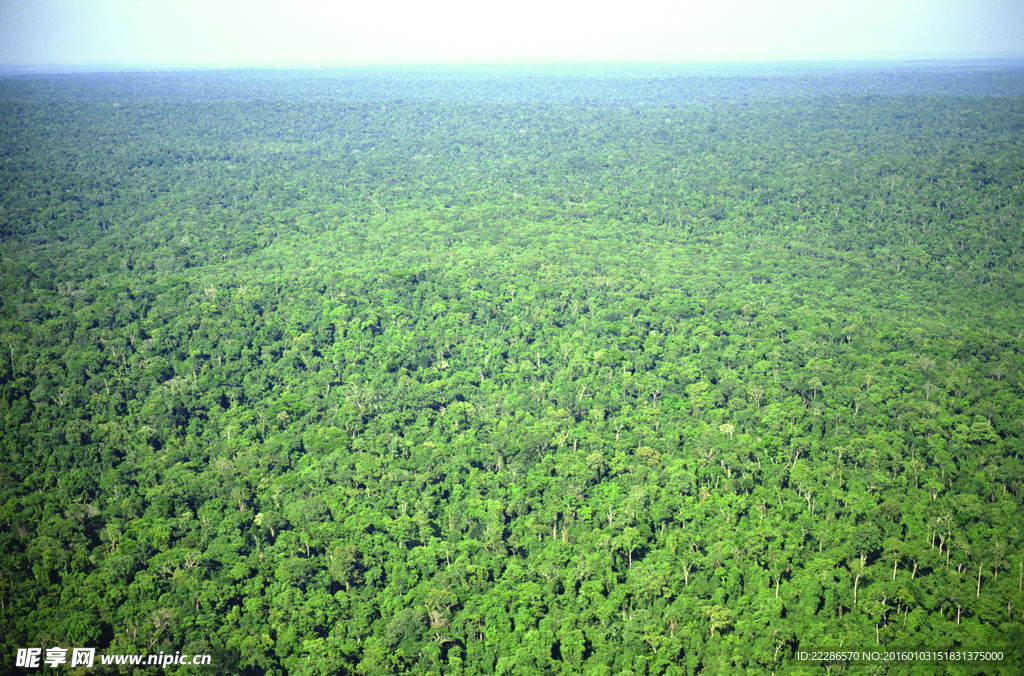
<point x="304" y="64"/>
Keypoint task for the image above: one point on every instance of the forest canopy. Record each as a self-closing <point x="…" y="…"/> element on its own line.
<point x="601" y="370"/>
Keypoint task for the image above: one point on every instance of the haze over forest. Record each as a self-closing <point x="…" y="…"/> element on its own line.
<point x="116" y="35"/>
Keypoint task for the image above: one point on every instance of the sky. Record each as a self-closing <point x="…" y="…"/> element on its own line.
<point x="129" y="34"/>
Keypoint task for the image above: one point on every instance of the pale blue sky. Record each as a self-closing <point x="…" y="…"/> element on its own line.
<point x="148" y="33"/>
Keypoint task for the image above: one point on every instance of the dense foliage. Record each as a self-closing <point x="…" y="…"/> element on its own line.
<point x="520" y="372"/>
